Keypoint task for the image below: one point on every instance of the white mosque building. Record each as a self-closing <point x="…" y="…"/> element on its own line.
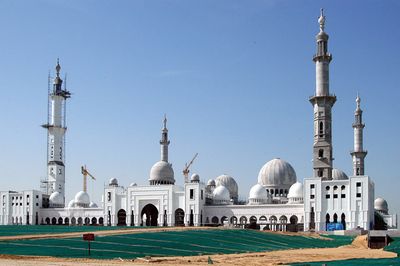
<point x="329" y="200"/>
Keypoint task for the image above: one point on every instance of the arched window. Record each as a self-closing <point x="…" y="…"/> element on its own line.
<point x="321" y="129"/>
<point x="335" y="218"/>
<point x="214" y="220"/>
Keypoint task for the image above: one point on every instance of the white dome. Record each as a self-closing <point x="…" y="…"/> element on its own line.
<point x="381" y="205"/>
<point x="338" y="174"/>
<point x="258" y="194"/>
<point x="92" y="205"/>
<point x="211" y="183"/>
<point x="82" y="199"/>
<point x="277" y="173"/>
<point x="295" y="194"/>
<point x="162" y="173"/>
<point x="221" y="195"/>
<point x="71" y="204"/>
<point x="195" y="178"/>
<point x="133" y="185"/>
<point x="228" y="182"/>
<point x="56" y="199"/>
<point x="113" y="182"/>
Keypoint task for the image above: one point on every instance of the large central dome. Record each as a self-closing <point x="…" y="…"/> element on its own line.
<point x="228" y="182"/>
<point x="277" y="173"/>
<point x="161" y="173"/>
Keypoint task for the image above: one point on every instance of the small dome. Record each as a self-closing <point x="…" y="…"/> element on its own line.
<point x="133" y="184"/>
<point x="211" y="183"/>
<point x="381" y="205"/>
<point x="113" y="182"/>
<point x="338" y="174"/>
<point x="277" y="173"/>
<point x="258" y="194"/>
<point x="92" y="205"/>
<point x="71" y="204"/>
<point x="195" y="178"/>
<point x="221" y="195"/>
<point x="295" y="194"/>
<point x="82" y="199"/>
<point x="162" y="173"/>
<point x="56" y="199"/>
<point x="228" y="182"/>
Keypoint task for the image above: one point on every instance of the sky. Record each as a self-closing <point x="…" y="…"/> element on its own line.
<point x="233" y="77"/>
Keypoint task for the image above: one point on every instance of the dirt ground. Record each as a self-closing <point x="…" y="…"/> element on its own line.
<point x="358" y="249"/>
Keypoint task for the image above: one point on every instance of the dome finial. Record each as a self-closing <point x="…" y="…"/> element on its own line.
<point x="58" y="67"/>
<point x="321" y="20"/>
<point x="358" y="101"/>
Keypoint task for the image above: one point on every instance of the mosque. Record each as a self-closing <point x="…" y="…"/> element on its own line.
<point x="329" y="200"/>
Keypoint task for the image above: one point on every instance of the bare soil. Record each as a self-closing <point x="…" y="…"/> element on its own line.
<point x="358" y="249"/>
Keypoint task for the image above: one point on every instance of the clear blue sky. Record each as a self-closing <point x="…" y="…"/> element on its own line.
<point x="234" y="78"/>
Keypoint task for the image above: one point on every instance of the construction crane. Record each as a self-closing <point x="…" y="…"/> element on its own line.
<point x="186" y="169"/>
<point x="86" y="173"/>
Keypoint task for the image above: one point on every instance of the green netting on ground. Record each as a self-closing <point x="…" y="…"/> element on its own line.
<point x="12" y="230"/>
<point x="393" y="247"/>
<point x="172" y="243"/>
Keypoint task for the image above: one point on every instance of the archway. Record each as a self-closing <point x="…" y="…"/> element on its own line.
<point x="60" y="220"/>
<point x="66" y="221"/>
<point x="223" y="219"/>
<point x="151" y="215"/>
<point x="343" y="221"/>
<point x="121" y="217"/>
<point x="73" y="221"/>
<point x="87" y="221"/>
<point x="335" y="218"/>
<point x="53" y="221"/>
<point x="80" y="221"/>
<point x="234" y="220"/>
<point x="101" y="221"/>
<point x="94" y="221"/>
<point x="47" y="220"/>
<point x="292" y="227"/>
<point x="243" y="220"/>
<point x="179" y="217"/>
<point x="214" y="220"/>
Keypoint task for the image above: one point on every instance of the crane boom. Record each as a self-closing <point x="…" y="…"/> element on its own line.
<point x="86" y="173"/>
<point x="187" y="166"/>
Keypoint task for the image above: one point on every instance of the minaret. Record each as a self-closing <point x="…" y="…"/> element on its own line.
<point x="56" y="128"/>
<point x="164" y="141"/>
<point x="358" y="153"/>
<point x="322" y="102"/>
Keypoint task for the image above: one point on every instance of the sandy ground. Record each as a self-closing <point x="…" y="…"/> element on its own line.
<point x="358" y="249"/>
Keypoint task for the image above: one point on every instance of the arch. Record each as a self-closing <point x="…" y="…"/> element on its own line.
<point x="283" y="219"/>
<point x="80" y="221"/>
<point x="66" y="221"/>
<point x="60" y="220"/>
<point x="214" y="220"/>
<point x="343" y="220"/>
<point x="293" y="219"/>
<point x="263" y="219"/>
<point x="281" y="192"/>
<point x="121" y="217"/>
<point x="73" y="221"/>
<point x="321" y="129"/>
<point x="253" y="219"/>
<point x="87" y="221"/>
<point x="179" y="217"/>
<point x="223" y="219"/>
<point x="335" y="217"/>
<point x="151" y="215"/>
<point x="273" y="219"/>
<point x="276" y="191"/>
<point x="53" y="220"/>
<point x="101" y="221"/>
<point x="233" y="220"/>
<point x="327" y="218"/>
<point x="47" y="220"/>
<point x="94" y="221"/>
<point x="243" y="220"/>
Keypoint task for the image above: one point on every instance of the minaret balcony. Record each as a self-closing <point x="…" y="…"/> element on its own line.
<point x="322" y="57"/>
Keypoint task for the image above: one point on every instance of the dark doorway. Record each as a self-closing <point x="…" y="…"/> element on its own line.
<point x="151" y="215"/>
<point x="121" y="217"/>
<point x="343" y="221"/>
<point x="335" y="218"/>
<point x="179" y="217"/>
<point x="191" y="216"/>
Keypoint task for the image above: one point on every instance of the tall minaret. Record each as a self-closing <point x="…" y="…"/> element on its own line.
<point x="56" y="127"/>
<point x="164" y="141"/>
<point x="358" y="153"/>
<point x="322" y="102"/>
